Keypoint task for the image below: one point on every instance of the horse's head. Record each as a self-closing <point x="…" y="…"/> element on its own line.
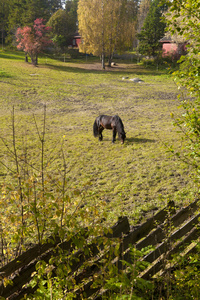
<point x="122" y="136"/>
<point x="120" y="128"/>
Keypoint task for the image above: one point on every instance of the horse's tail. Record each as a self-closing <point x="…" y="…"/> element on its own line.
<point x="95" y="129"/>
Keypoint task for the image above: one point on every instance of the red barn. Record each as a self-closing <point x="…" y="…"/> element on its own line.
<point x="171" y="48"/>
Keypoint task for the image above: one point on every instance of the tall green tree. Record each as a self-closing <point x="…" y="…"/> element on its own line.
<point x="71" y="7"/>
<point x="63" y="25"/>
<point x="185" y="23"/>
<point x="152" y="30"/>
<point x="15" y="18"/>
<point x="4" y="12"/>
<point x="103" y="26"/>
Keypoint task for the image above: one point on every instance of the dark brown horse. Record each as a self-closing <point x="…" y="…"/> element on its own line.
<point x="109" y="122"/>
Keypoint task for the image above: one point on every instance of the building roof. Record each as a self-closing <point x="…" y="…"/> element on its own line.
<point x="166" y="39"/>
<point x="76" y="35"/>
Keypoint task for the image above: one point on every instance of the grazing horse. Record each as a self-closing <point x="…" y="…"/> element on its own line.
<point x="109" y="122"/>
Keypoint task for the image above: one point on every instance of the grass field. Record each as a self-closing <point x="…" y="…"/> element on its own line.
<point x="134" y="179"/>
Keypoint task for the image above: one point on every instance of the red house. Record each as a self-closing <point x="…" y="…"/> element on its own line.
<point x="171" y="48"/>
<point x="75" y="41"/>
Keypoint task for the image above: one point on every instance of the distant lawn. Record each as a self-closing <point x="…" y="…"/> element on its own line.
<point x="133" y="179"/>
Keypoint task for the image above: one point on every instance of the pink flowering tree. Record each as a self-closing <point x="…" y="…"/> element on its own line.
<point x="33" y="40"/>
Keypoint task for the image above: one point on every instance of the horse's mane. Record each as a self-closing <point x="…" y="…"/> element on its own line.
<point x="119" y="125"/>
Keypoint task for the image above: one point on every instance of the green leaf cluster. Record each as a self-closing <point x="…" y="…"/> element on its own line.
<point x="185" y="21"/>
<point x="127" y="284"/>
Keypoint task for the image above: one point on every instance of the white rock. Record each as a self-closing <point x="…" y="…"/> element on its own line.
<point x="136" y="80"/>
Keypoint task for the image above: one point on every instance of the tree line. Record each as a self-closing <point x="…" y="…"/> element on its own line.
<point x="21" y="13"/>
<point x="105" y="26"/>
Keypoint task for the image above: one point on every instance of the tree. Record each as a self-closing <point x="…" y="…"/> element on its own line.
<point x="185" y="22"/>
<point x="4" y="11"/>
<point x="33" y="40"/>
<point x="142" y="13"/>
<point x="71" y="7"/>
<point x="102" y="26"/>
<point x="128" y="32"/>
<point x="141" y="16"/>
<point x="23" y="13"/>
<point x="152" y="30"/>
<point x="15" y="18"/>
<point x="63" y="25"/>
<point x="54" y="5"/>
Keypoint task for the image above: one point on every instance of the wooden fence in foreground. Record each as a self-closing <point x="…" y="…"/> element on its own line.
<point x="168" y="231"/>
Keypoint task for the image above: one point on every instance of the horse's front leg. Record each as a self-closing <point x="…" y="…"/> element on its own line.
<point x="114" y="135"/>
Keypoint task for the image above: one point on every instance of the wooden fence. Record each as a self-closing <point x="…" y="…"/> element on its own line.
<point x="168" y="231"/>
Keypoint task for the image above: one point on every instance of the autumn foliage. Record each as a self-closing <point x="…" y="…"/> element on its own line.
<point x="33" y="40"/>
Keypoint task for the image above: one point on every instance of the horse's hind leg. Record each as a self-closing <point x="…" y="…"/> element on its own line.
<point x="100" y="133"/>
<point x="114" y="135"/>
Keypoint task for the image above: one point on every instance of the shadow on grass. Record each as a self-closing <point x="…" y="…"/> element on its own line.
<point x="121" y="67"/>
<point x="12" y="55"/>
<point x="74" y="69"/>
<point x="136" y="69"/>
<point x="139" y="141"/>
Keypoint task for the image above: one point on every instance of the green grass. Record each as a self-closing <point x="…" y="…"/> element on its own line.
<point x="133" y="179"/>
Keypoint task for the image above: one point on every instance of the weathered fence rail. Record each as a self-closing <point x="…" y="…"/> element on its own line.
<point x="169" y="232"/>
